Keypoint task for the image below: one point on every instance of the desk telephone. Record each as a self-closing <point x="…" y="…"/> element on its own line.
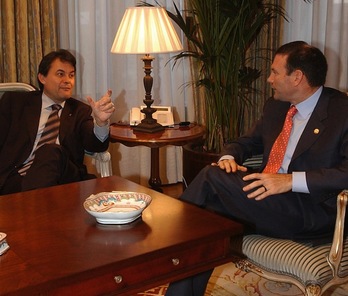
<point x="163" y="115"/>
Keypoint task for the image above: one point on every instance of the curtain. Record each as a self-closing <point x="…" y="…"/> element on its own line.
<point x="28" y="30"/>
<point x="323" y="24"/>
<point x="88" y="28"/>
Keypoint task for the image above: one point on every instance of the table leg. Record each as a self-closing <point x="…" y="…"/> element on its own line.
<point x="155" y="181"/>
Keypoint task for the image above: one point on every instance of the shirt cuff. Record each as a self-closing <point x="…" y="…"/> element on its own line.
<point x="299" y="182"/>
<point x="101" y="132"/>
<point x="229" y="157"/>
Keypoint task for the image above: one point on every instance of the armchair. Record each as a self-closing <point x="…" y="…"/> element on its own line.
<point x="313" y="269"/>
<point x="101" y="160"/>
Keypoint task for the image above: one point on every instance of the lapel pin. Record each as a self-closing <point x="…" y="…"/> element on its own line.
<point x="316" y="131"/>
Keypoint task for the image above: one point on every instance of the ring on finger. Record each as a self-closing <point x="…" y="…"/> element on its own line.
<point x="265" y="188"/>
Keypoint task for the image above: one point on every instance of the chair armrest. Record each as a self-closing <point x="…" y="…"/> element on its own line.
<point x="335" y="255"/>
<point x="102" y="162"/>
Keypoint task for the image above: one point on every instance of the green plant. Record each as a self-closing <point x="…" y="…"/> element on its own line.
<point x="219" y="35"/>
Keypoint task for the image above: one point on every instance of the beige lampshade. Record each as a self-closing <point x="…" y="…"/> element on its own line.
<point x="146" y="30"/>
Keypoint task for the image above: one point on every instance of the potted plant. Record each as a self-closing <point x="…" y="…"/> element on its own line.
<point x="220" y="34"/>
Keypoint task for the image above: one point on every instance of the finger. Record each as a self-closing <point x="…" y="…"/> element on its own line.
<point x="258" y="194"/>
<point x="242" y="168"/>
<point x="91" y="101"/>
<point x="252" y="177"/>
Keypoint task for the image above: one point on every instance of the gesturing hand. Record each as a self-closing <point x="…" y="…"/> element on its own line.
<point x="102" y="109"/>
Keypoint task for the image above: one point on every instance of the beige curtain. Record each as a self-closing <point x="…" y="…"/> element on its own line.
<point x="28" y="31"/>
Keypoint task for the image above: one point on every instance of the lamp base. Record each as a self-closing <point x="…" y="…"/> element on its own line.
<point x="145" y="127"/>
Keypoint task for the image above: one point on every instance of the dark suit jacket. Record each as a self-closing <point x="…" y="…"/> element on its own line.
<point x="322" y="151"/>
<point x="19" y="119"/>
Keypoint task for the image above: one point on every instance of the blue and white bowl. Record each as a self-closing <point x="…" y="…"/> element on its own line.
<point x="117" y="207"/>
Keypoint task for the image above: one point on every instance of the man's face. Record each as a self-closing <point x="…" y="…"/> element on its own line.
<point x="281" y="82"/>
<point x="59" y="82"/>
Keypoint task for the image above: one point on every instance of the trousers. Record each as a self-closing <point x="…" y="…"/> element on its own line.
<point x="51" y="166"/>
<point x="288" y="215"/>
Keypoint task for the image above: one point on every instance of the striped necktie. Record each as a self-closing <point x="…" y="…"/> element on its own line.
<point x="276" y="156"/>
<point x="48" y="136"/>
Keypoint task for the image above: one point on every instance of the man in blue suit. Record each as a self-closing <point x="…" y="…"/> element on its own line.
<point x="298" y="200"/>
<point x="23" y="116"/>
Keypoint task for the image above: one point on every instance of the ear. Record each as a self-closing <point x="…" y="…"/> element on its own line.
<point x="41" y="78"/>
<point x="298" y="76"/>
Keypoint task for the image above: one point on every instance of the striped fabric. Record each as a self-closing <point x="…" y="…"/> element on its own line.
<point x="306" y="263"/>
<point x="253" y="162"/>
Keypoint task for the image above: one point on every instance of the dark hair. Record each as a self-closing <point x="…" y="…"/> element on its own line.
<point x="309" y="59"/>
<point x="46" y="62"/>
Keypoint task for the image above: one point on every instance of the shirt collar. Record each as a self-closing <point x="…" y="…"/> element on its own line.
<point x="305" y="108"/>
<point x="47" y="102"/>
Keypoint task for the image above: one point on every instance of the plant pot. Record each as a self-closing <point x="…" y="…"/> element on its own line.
<point x="194" y="160"/>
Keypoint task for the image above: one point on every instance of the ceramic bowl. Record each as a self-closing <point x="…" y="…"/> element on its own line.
<point x="3" y="243"/>
<point x="117" y="207"/>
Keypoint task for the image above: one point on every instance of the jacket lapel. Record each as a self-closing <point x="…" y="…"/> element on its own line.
<point x="66" y="118"/>
<point x="314" y="128"/>
<point x="32" y="116"/>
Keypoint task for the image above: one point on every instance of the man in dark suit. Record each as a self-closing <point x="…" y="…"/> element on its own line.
<point x="297" y="200"/>
<point x="26" y="165"/>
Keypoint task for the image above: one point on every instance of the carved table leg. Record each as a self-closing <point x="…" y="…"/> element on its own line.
<point x="155" y="181"/>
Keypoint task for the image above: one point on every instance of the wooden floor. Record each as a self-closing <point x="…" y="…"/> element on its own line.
<point x="173" y="190"/>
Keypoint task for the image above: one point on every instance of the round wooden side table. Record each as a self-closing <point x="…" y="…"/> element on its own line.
<point x="177" y="136"/>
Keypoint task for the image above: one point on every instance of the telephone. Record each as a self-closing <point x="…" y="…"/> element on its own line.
<point x="163" y="115"/>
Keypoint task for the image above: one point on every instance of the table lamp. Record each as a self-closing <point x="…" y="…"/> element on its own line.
<point x="146" y="30"/>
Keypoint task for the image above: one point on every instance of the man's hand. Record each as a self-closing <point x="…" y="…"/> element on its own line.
<point x="102" y="109"/>
<point x="229" y="165"/>
<point x="267" y="184"/>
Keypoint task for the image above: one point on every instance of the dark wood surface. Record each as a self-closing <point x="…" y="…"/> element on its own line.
<point x="57" y="248"/>
<point x="177" y="136"/>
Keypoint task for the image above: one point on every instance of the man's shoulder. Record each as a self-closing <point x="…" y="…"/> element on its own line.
<point x="20" y="97"/>
<point x="274" y="105"/>
<point x="333" y="93"/>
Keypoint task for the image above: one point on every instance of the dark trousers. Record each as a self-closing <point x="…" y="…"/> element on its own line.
<point x="288" y="215"/>
<point x="51" y="167"/>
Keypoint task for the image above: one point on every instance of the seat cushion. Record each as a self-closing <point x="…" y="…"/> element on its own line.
<point x="303" y="261"/>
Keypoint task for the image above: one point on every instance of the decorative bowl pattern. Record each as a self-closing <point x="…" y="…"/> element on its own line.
<point x="117" y="207"/>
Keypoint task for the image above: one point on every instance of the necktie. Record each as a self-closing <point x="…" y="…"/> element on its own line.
<point x="276" y="156"/>
<point x="48" y="136"/>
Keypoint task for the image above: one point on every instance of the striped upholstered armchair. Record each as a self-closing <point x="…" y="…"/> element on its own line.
<point x="312" y="268"/>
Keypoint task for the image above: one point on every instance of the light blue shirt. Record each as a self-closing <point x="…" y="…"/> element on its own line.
<point x="300" y="120"/>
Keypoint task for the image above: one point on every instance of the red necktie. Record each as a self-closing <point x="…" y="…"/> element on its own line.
<point x="276" y="156"/>
<point x="48" y="136"/>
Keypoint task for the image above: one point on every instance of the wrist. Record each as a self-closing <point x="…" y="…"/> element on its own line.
<point x="101" y="123"/>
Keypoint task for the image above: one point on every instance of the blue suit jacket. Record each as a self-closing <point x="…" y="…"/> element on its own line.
<point x="322" y="151"/>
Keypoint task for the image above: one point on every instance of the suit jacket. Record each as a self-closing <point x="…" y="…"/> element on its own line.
<point x="19" y="120"/>
<point x="322" y="150"/>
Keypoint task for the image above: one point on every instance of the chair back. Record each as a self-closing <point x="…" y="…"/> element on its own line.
<point x="15" y="86"/>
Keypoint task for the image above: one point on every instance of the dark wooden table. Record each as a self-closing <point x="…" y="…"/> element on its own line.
<point x="177" y="136"/>
<point x="57" y="248"/>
